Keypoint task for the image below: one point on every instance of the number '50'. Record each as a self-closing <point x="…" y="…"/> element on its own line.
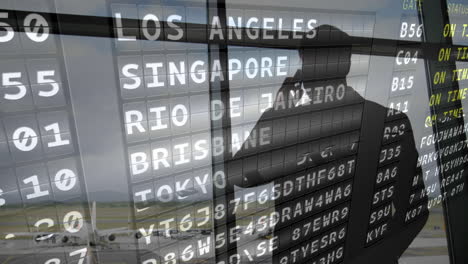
<point x="32" y="24"/>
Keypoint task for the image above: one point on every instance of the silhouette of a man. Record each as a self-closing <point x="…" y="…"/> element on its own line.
<point x="314" y="122"/>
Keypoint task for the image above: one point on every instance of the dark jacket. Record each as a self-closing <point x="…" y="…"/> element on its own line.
<point x="298" y="143"/>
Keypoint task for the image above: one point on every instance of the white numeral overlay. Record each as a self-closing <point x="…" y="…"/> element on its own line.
<point x="37" y="192"/>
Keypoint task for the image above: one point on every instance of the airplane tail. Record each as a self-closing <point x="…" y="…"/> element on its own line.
<point x="93" y="216"/>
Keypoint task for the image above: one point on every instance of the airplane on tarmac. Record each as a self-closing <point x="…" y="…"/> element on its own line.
<point x="101" y="237"/>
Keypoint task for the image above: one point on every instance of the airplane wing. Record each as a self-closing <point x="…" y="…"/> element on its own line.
<point x="115" y="231"/>
<point x="38" y="236"/>
<point x="112" y="231"/>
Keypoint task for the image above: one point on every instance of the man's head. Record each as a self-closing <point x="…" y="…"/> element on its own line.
<point x="327" y="55"/>
<point x="326" y="60"/>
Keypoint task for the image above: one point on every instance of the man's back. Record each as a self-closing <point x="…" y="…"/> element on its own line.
<point x="304" y="151"/>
